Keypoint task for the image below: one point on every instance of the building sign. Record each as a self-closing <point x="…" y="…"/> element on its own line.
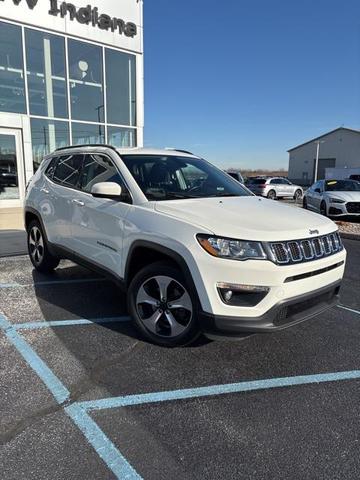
<point x="85" y="15"/>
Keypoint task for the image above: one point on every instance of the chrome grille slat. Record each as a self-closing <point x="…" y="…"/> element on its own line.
<point x="295" y="251"/>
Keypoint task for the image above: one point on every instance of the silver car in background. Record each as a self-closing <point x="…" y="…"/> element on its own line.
<point x="333" y="198"/>
<point x="274" y="187"/>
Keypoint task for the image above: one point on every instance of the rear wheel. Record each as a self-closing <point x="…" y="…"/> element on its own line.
<point x="162" y="306"/>
<point x="38" y="250"/>
<point x="271" y="195"/>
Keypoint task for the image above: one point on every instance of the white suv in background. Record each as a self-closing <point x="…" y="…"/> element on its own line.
<point x="194" y="249"/>
<point x="274" y="187"/>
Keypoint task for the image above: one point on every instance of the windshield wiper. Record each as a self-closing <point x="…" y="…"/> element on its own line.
<point x="179" y="195"/>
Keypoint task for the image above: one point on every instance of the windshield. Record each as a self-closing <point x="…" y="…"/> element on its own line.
<point x="342" y="186"/>
<point x="169" y="177"/>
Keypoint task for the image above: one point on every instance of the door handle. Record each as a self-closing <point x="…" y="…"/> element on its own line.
<point x="44" y="190"/>
<point x="78" y="202"/>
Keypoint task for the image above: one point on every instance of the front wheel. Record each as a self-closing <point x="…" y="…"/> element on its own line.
<point x="38" y="250"/>
<point x="298" y="195"/>
<point x="162" y="306"/>
<point x="305" y="204"/>
<point x="323" y="210"/>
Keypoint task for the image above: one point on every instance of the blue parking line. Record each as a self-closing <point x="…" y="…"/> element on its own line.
<point x="106" y="450"/>
<point x="69" y="323"/>
<point x="348" y="309"/>
<point x="46" y="283"/>
<point x="102" y="444"/>
<point x="58" y="390"/>
<point x="189" y="393"/>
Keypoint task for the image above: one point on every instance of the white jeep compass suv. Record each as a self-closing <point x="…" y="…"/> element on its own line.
<point x="195" y="250"/>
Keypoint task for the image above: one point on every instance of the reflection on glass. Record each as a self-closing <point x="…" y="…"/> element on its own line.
<point x="86" y="82"/>
<point x="87" y="134"/>
<point x="12" y="87"/>
<point x="121" y="88"/>
<point x="47" y="136"/>
<point x="9" y="186"/>
<point x="122" y="137"/>
<point x="46" y="74"/>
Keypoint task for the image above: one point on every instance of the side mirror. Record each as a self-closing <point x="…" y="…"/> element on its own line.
<point x="109" y="190"/>
<point x="317" y="190"/>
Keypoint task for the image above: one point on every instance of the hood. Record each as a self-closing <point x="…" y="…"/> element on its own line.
<point x="347" y="196"/>
<point x="248" y="218"/>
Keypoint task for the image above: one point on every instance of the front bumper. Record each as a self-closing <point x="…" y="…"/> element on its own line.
<point x="344" y="209"/>
<point x="284" y="314"/>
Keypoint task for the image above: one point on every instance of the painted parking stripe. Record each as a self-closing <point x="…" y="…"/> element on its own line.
<point x="106" y="450"/>
<point x="46" y="283"/>
<point x="102" y="444"/>
<point x="59" y="391"/>
<point x="69" y="323"/>
<point x="189" y="393"/>
<point x="348" y="309"/>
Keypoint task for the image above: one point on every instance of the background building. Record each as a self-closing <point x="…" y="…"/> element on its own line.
<point x="339" y="148"/>
<point x="69" y="74"/>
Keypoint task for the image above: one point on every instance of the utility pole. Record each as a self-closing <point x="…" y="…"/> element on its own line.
<point x="317" y="159"/>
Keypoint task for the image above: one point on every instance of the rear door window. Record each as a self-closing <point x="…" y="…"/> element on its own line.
<point x="67" y="171"/>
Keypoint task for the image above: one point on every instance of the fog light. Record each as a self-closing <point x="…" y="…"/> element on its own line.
<point x="228" y="295"/>
<point x="241" y="295"/>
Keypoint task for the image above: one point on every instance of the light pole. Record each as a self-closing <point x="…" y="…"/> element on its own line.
<point x="317" y="159"/>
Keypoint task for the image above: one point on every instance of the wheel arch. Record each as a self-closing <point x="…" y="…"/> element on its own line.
<point x="140" y="252"/>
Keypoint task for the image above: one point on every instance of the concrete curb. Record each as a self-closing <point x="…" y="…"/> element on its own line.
<point x="350" y="236"/>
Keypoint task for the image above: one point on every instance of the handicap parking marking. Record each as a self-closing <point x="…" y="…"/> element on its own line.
<point x="46" y="283"/>
<point x="102" y="445"/>
<point x="58" y="390"/>
<point x="79" y="412"/>
<point x="69" y="323"/>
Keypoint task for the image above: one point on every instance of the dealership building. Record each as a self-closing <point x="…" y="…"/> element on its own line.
<point x="337" y="150"/>
<point x="70" y="73"/>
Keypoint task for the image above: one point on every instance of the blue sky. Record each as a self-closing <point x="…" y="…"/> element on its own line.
<point x="240" y="82"/>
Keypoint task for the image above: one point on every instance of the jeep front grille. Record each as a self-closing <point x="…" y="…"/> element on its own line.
<point x="296" y="251"/>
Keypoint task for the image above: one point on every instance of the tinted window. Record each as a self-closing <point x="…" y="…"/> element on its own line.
<point x="257" y="181"/>
<point x="275" y="181"/>
<point x="168" y="177"/>
<point x="342" y="186"/>
<point x="51" y="168"/>
<point x="68" y="169"/>
<point x="96" y="169"/>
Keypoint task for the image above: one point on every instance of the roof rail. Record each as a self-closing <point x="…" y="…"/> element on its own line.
<point x="86" y="145"/>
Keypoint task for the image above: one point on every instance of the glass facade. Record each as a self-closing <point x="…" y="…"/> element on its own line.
<point x="75" y="92"/>
<point x="12" y="84"/>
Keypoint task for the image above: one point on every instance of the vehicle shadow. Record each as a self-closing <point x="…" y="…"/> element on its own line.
<point x="95" y="298"/>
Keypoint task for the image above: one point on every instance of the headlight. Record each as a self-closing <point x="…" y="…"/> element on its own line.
<point x="231" y="248"/>
<point x="336" y="200"/>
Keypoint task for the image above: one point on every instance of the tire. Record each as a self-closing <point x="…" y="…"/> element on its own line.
<point x="298" y="195"/>
<point x="323" y="209"/>
<point x="305" y="205"/>
<point x="38" y="250"/>
<point x="151" y="317"/>
<point x="271" y="195"/>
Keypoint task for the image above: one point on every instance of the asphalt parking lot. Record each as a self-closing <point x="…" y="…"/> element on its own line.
<point x="83" y="398"/>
